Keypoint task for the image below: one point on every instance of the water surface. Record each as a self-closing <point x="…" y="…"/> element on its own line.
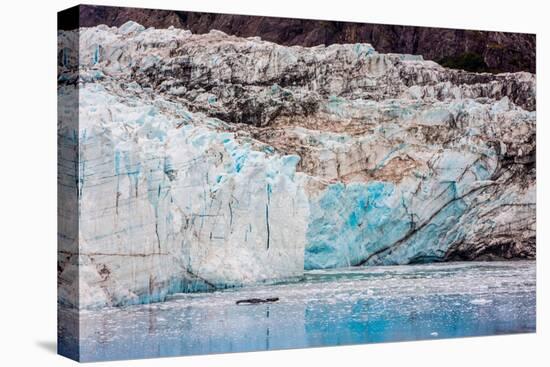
<point x="329" y="307"/>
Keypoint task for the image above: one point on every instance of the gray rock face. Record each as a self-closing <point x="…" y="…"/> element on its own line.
<point x="212" y="161"/>
<point x="465" y="49"/>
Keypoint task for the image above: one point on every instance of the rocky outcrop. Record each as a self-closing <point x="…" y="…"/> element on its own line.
<point x="464" y="49"/>
<point x="210" y="161"/>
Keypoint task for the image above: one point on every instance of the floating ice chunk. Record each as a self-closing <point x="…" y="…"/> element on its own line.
<point x="481" y="301"/>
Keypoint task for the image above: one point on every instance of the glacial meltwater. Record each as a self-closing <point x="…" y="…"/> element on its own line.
<point x="326" y="308"/>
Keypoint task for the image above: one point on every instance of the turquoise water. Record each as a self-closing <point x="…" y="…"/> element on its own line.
<point x="326" y="308"/>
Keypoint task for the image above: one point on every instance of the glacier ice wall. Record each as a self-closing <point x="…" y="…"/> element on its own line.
<point x="178" y="207"/>
<point x="211" y="161"/>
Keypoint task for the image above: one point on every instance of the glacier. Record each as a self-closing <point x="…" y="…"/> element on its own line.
<point x="201" y="162"/>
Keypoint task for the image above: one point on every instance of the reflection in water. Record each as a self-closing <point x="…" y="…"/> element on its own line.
<point x="330" y="307"/>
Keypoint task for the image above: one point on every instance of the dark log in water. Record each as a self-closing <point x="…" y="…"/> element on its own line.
<point x="253" y="301"/>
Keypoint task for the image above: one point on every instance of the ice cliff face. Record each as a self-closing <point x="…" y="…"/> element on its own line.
<point x="208" y="161"/>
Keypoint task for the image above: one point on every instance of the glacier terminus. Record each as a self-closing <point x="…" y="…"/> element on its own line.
<point x="204" y="162"/>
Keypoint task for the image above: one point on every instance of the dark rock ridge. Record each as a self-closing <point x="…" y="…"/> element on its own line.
<point x="471" y="50"/>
